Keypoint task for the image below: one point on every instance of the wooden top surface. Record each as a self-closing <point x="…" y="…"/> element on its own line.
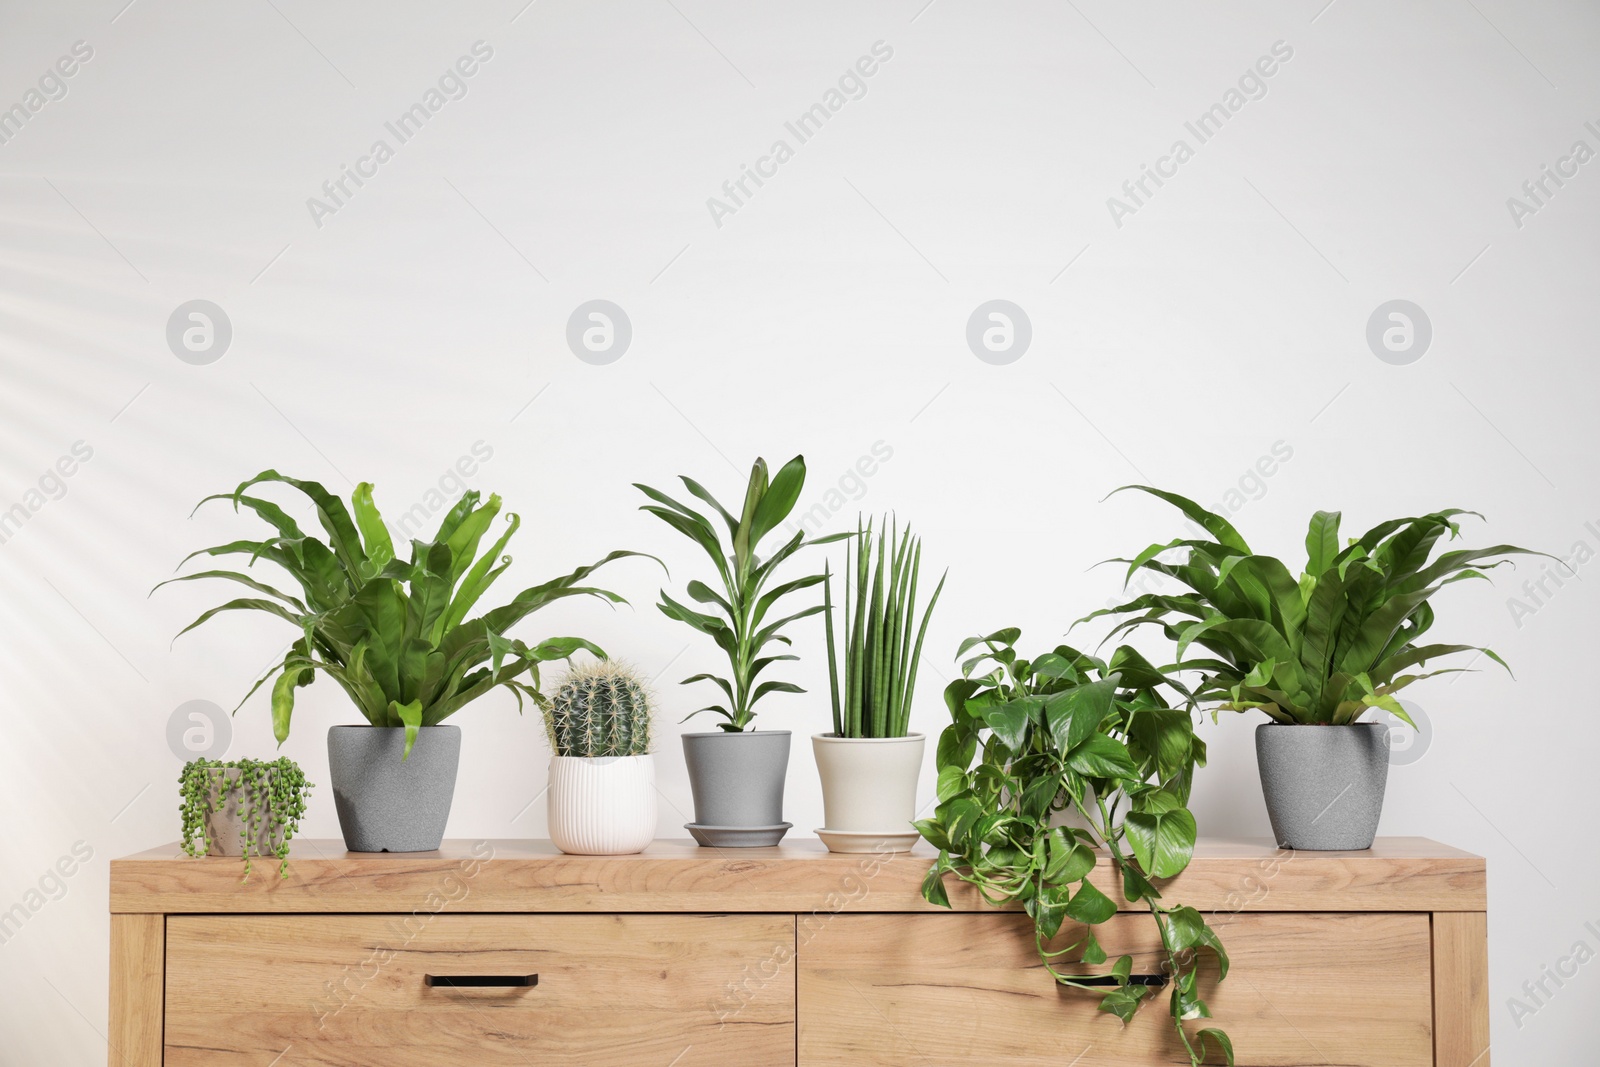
<point x="1226" y="875"/>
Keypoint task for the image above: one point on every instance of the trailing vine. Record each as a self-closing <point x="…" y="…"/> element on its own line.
<point x="271" y="800"/>
<point x="1069" y="734"/>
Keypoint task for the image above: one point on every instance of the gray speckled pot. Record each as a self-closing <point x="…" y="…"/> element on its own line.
<point x="389" y="805"/>
<point x="1324" y="784"/>
<point x="738" y="780"/>
<point x="225" y="822"/>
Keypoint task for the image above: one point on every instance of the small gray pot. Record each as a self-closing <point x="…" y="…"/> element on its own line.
<point x="225" y="821"/>
<point x="737" y="780"/>
<point x="1323" y="784"/>
<point x="386" y="804"/>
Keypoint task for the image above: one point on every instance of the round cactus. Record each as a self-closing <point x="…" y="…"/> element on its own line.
<point x="600" y="709"/>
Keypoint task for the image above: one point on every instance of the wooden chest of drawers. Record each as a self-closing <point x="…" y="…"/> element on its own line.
<point x="507" y="952"/>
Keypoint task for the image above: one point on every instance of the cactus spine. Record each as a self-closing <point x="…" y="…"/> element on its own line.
<point x="599" y="709"/>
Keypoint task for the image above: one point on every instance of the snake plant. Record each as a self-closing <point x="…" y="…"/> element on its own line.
<point x="880" y="660"/>
<point x="393" y="633"/>
<point x="1322" y="648"/>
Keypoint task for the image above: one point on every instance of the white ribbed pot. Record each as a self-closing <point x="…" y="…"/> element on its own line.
<point x="869" y="784"/>
<point x="602" y="805"/>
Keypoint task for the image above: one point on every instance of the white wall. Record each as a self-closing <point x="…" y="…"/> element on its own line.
<point x="827" y="313"/>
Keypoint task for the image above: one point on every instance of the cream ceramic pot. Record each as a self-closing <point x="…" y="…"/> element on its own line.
<point x="869" y="784"/>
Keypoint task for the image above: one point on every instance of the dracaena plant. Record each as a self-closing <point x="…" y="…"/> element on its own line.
<point x="873" y="698"/>
<point x="1067" y="733"/>
<point x="747" y="597"/>
<point x="1318" y="649"/>
<point x="394" y="634"/>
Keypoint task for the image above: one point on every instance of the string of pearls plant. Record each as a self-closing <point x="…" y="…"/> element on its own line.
<point x="271" y="801"/>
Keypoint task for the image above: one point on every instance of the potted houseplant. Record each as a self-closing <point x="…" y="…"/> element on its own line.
<point x="243" y="808"/>
<point x="737" y="774"/>
<point x="1063" y="736"/>
<point x="602" y="776"/>
<point x="1313" y="654"/>
<point x="871" y="761"/>
<point x="396" y="637"/>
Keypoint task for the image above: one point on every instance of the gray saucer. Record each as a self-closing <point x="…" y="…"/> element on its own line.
<point x="737" y="836"/>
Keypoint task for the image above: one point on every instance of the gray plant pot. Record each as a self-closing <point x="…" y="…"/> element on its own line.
<point x="737" y="780"/>
<point x="1323" y="784"/>
<point x="386" y="804"/>
<point x="225" y="821"/>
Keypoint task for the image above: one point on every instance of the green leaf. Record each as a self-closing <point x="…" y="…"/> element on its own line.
<point x="1075" y="715"/>
<point x="342" y="535"/>
<point x="1150" y="553"/>
<point x="1069" y="860"/>
<point x="1325" y="613"/>
<point x="774" y="687"/>
<point x="1036" y="799"/>
<point x="1089" y="905"/>
<point x="1123" y="968"/>
<point x="779" y="499"/>
<point x="951" y="781"/>
<point x="1166" y="734"/>
<point x="1135" y="886"/>
<point x="1123" y="1001"/>
<point x="744" y="545"/>
<point x="374" y="534"/>
<point x="283" y="699"/>
<point x="697" y="531"/>
<point x="1224" y="1044"/>
<point x="1133" y="671"/>
<point x="1102" y="757"/>
<point x="1048" y="910"/>
<point x="687" y="513"/>
<point x="1186" y="1002"/>
<point x="1322" y="542"/>
<point x="410" y="715"/>
<point x="245" y="604"/>
<point x="700" y="491"/>
<point x="1187" y="929"/>
<point x="933" y="890"/>
<point x="478" y="580"/>
<point x="702" y="593"/>
<point x="266" y="509"/>
<point x="1000" y="639"/>
<point x="242" y="579"/>
<point x="1010" y="721"/>
<point x="933" y="832"/>
<point x="1215" y="525"/>
<point x="1163" y="841"/>
<point x="957" y="746"/>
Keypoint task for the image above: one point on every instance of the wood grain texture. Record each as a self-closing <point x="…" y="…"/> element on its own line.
<point x="138" y="946"/>
<point x="893" y="990"/>
<point x="348" y="991"/>
<point x="1461" y="988"/>
<point x="1397" y="874"/>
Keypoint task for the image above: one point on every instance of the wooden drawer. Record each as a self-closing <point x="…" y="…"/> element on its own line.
<point x="1352" y="989"/>
<point x="349" y="990"/>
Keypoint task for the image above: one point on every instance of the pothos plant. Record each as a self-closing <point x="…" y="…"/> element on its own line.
<point x="1062" y="735"/>
<point x="270" y="800"/>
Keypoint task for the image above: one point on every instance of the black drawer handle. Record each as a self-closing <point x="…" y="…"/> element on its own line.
<point x="1155" y="980"/>
<point x="481" y="981"/>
